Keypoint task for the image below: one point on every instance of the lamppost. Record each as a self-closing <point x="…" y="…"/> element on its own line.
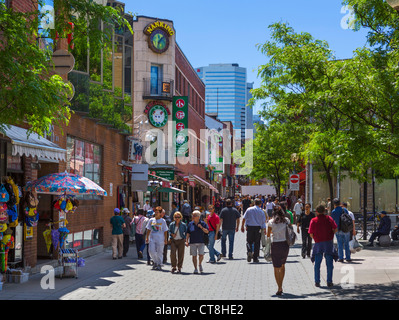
<point x="394" y="4"/>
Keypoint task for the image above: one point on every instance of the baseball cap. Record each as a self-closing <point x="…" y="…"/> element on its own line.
<point x="116" y="210"/>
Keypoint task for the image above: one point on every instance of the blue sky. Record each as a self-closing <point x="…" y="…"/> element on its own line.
<point x="227" y="31"/>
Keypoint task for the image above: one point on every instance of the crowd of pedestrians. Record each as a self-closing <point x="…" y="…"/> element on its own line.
<point x="260" y="217"/>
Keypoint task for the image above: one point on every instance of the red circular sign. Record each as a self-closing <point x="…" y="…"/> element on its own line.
<point x="180" y="126"/>
<point x="180" y="103"/>
<point x="294" y="178"/>
<point x="180" y="115"/>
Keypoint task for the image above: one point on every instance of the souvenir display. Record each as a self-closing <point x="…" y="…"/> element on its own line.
<point x="9" y="200"/>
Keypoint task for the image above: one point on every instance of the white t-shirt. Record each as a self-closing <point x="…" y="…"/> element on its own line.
<point x="157" y="227"/>
<point x="278" y="230"/>
<point x="298" y="208"/>
<point x="270" y="205"/>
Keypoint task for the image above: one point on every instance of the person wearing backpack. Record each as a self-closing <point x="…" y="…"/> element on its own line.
<point x="344" y="223"/>
<point x="186" y="212"/>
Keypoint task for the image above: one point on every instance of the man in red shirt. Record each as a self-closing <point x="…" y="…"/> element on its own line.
<point x="213" y="221"/>
<point x="322" y="230"/>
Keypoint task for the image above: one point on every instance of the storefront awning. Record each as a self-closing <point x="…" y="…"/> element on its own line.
<point x="170" y="189"/>
<point x="34" y="145"/>
<point x="205" y="183"/>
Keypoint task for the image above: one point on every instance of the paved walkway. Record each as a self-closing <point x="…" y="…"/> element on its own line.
<point x="373" y="274"/>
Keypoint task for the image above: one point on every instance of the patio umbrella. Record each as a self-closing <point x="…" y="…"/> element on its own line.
<point x="65" y="183"/>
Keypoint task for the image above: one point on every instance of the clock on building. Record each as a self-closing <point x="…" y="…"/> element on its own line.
<point x="158" y="36"/>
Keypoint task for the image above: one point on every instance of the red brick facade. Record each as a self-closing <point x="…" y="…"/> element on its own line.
<point x="189" y="84"/>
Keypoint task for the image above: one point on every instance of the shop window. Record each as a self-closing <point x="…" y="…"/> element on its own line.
<point x="83" y="239"/>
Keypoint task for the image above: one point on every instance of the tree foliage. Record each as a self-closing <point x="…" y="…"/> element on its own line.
<point x="29" y="91"/>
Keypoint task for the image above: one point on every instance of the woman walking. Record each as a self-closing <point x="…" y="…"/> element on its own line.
<point x="279" y="248"/>
<point x="304" y="222"/>
<point x="177" y="231"/>
<point x="157" y="237"/>
<point x="213" y="221"/>
<point x="140" y="221"/>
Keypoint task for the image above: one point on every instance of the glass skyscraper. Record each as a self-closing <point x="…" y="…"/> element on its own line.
<point x="227" y="94"/>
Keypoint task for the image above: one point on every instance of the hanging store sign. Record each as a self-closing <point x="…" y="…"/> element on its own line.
<point x="180" y="117"/>
<point x="157" y="113"/>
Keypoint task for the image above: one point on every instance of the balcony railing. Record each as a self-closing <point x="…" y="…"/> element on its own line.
<point x="158" y="89"/>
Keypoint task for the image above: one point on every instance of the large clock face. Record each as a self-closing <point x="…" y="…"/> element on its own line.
<point x="159" y="41"/>
<point x="158" y="116"/>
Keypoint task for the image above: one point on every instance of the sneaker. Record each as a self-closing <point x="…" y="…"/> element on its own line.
<point x="330" y="284"/>
<point x="317" y="284"/>
<point x="200" y="268"/>
<point x="219" y="257"/>
<point x="195" y="271"/>
<point x="140" y="255"/>
<point x="249" y="256"/>
<point x="210" y="261"/>
<point x="173" y="270"/>
<point x="340" y="260"/>
<point x="256" y="260"/>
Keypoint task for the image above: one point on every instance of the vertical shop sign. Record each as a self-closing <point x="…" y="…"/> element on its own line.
<point x="180" y="117"/>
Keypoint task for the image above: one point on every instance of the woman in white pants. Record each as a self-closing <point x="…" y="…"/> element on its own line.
<point x="157" y="237"/>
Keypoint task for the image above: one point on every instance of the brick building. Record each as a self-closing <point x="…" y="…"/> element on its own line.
<point x="91" y="145"/>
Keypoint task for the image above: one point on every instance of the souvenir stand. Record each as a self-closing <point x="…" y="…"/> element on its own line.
<point x="67" y="257"/>
<point x="10" y="198"/>
<point x="66" y="186"/>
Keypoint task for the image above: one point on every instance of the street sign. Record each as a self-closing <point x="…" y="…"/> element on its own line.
<point x="294" y="182"/>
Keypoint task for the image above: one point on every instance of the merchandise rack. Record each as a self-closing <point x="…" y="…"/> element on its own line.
<point x="68" y="258"/>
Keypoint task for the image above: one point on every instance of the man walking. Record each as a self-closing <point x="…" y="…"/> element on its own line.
<point x="298" y="208"/>
<point x="126" y="230"/>
<point x="342" y="237"/>
<point x="186" y="212"/>
<point x="230" y="222"/>
<point x="321" y="230"/>
<point x="254" y="220"/>
<point x="117" y="223"/>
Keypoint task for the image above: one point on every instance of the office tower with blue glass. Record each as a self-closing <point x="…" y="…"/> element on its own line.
<point x="227" y="95"/>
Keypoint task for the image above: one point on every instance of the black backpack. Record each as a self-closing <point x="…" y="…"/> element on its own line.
<point x="345" y="222"/>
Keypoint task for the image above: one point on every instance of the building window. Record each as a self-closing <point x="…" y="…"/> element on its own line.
<point x="46" y="24"/>
<point x="156" y="78"/>
<point x="83" y="239"/>
<point x="84" y="158"/>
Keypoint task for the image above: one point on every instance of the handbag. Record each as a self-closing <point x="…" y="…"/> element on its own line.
<point x="290" y="235"/>
<point x="267" y="250"/>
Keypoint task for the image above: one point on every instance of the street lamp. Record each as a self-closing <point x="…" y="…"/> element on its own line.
<point x="394" y="4"/>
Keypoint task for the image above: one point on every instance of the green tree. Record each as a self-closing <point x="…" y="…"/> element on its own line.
<point x="29" y="90"/>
